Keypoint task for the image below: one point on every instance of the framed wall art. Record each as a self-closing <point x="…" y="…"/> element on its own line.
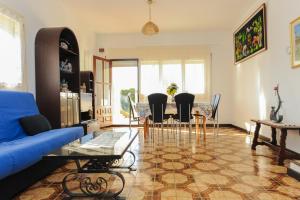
<point x="251" y="37"/>
<point x="295" y="42"/>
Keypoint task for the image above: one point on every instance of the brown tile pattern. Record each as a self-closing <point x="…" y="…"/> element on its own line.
<point x="184" y="167"/>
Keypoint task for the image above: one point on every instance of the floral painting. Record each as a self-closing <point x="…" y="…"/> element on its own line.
<point x="251" y="38"/>
<point x="295" y="42"/>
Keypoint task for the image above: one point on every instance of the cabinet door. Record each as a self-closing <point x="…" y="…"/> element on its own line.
<point x="107" y="72"/>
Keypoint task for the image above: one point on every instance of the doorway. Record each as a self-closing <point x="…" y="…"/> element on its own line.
<point x="124" y="82"/>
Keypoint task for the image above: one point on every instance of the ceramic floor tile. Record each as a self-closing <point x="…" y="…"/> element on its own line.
<point x="175" y="166"/>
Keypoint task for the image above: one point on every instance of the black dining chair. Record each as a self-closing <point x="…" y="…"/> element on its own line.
<point x="215" y="112"/>
<point x="184" y="105"/>
<point x="158" y="104"/>
<point x="214" y="117"/>
<point x="133" y="116"/>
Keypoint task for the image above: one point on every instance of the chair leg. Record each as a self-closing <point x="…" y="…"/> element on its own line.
<point x="214" y="128"/>
<point x="218" y="125"/>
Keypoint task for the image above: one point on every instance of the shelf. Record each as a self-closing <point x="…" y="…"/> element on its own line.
<point x="66" y="72"/>
<point x="68" y="51"/>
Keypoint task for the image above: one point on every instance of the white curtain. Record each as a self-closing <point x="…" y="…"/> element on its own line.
<point x="12" y="64"/>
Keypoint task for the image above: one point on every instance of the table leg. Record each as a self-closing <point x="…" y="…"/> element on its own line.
<point x="204" y="127"/>
<point x="256" y="135"/>
<point x="197" y="122"/>
<point x="146" y="127"/>
<point x="281" y="156"/>
<point x="274" y="140"/>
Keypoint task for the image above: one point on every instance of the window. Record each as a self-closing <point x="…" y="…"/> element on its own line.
<point x="195" y="78"/>
<point x="190" y="76"/>
<point x="150" y="79"/>
<point x="171" y="73"/>
<point x="11" y="58"/>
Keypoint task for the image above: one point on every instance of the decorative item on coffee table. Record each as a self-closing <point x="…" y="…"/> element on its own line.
<point x="172" y="90"/>
<point x="274" y="115"/>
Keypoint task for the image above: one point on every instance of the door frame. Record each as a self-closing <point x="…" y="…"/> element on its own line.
<point x="138" y="77"/>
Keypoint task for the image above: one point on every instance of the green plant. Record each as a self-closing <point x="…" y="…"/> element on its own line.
<point x="124" y="100"/>
<point x="172" y="89"/>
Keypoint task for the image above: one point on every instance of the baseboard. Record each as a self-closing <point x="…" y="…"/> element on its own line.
<point x="165" y="125"/>
<point x="239" y="128"/>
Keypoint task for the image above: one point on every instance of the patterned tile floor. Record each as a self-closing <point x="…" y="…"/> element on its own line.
<point x="186" y="167"/>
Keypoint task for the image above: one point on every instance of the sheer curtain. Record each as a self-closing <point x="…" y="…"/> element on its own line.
<point x="192" y="76"/>
<point x="12" y="74"/>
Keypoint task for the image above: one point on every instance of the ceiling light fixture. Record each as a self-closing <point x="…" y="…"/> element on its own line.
<point x="150" y="28"/>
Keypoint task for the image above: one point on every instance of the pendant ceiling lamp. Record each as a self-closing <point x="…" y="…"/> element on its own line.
<point x="150" y="28"/>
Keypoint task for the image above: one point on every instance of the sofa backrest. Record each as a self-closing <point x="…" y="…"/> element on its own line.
<point x="13" y="106"/>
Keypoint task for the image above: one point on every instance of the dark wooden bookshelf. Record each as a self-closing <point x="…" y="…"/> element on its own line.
<point x="87" y="78"/>
<point x="49" y="76"/>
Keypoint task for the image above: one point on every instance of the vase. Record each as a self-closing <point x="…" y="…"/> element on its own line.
<point x="173" y="98"/>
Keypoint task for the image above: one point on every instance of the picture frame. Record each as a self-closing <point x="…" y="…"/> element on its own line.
<point x="295" y="42"/>
<point x="250" y="38"/>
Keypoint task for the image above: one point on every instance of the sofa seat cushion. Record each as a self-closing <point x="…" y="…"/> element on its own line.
<point x="22" y="153"/>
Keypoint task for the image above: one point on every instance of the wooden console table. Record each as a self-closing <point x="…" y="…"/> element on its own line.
<point x="284" y="130"/>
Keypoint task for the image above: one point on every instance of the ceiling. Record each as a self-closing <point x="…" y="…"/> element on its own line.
<point x="128" y="16"/>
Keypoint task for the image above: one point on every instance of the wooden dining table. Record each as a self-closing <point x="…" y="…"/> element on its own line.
<point x="200" y="110"/>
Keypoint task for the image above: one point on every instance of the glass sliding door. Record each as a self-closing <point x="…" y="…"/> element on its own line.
<point x="124" y="83"/>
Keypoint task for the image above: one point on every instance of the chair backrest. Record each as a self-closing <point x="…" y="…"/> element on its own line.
<point x="215" y="104"/>
<point x="13" y="106"/>
<point x="184" y="105"/>
<point x="132" y="108"/>
<point x="157" y="104"/>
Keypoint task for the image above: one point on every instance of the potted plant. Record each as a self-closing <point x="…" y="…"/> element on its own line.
<point x="172" y="90"/>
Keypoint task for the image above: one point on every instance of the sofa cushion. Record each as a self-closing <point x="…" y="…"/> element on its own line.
<point x="22" y="153"/>
<point x="35" y="124"/>
<point x="13" y="106"/>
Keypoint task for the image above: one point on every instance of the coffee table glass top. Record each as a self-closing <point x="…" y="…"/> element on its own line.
<point x="111" y="144"/>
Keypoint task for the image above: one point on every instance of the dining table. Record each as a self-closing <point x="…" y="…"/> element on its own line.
<point x="200" y="110"/>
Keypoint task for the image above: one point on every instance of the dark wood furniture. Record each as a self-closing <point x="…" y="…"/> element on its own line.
<point x="87" y="79"/>
<point x="284" y="128"/>
<point x="102" y="69"/>
<point x="49" y="55"/>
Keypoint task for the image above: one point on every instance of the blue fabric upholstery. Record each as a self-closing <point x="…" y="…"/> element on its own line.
<point x="13" y="106"/>
<point x="17" y="150"/>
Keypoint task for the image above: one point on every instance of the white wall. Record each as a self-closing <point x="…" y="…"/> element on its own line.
<point x="218" y="43"/>
<point x="255" y="78"/>
<point x="41" y="14"/>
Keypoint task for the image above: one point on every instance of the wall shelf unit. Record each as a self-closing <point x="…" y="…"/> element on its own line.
<point x="57" y="76"/>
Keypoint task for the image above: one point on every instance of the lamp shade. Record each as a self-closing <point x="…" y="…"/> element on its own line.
<point x="150" y="28"/>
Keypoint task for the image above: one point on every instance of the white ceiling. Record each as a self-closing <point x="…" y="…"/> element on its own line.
<point x="128" y="16"/>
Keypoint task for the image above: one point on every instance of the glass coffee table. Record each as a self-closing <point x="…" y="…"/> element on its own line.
<point x="98" y="153"/>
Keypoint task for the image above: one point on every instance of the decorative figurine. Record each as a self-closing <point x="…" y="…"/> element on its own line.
<point x="274" y="114"/>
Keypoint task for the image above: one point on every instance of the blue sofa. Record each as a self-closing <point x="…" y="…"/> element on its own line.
<point x="17" y="150"/>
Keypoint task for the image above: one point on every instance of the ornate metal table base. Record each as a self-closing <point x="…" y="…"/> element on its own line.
<point x="98" y="186"/>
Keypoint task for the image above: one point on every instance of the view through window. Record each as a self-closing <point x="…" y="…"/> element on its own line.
<point x="11" y="72"/>
<point x="189" y="75"/>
